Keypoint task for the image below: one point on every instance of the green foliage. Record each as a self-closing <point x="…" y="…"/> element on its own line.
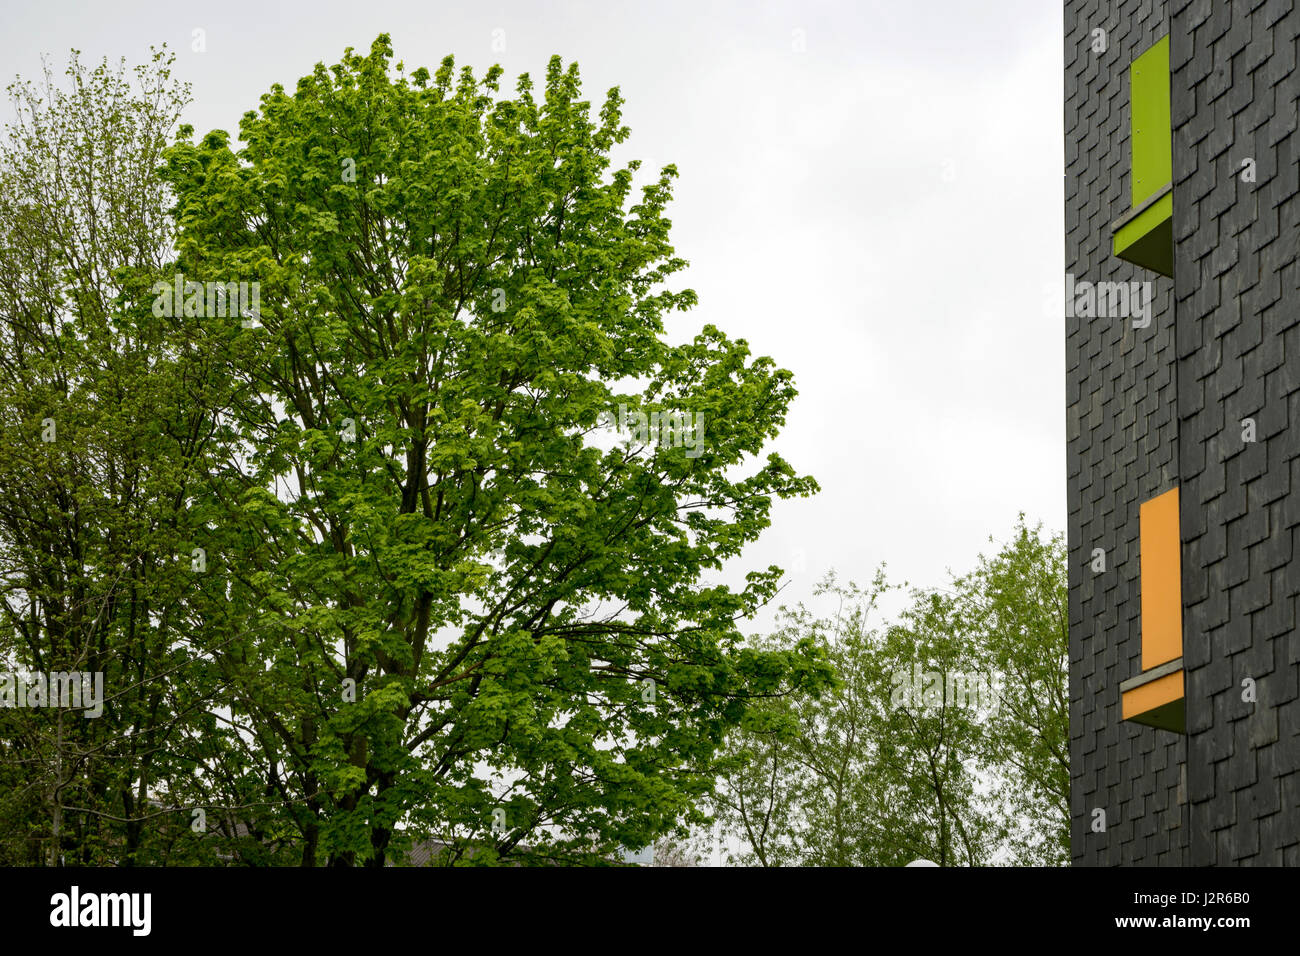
<point x="1017" y="608"/>
<point x="417" y="499"/>
<point x="971" y="768"/>
<point x="359" y="564"/>
<point x="106" y="431"/>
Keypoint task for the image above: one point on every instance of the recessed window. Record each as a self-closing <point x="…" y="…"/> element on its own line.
<point x="1145" y="234"/>
<point x="1155" y="697"/>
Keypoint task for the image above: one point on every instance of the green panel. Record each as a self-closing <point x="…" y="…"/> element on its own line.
<point x="1152" y="136"/>
<point x="1148" y="239"/>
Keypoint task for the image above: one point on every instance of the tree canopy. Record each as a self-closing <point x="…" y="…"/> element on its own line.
<point x="945" y="736"/>
<point x="379" y="572"/>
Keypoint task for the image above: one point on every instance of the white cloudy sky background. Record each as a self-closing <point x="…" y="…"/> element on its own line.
<point x="880" y="212"/>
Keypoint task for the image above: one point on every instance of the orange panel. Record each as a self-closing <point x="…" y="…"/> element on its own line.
<point x="1157" y="693"/>
<point x="1162" y="586"/>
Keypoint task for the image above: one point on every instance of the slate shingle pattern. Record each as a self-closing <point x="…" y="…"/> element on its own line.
<point x="1151" y="408"/>
<point x="1235" y="96"/>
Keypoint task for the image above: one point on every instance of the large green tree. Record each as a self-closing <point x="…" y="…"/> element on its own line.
<point x="452" y="604"/>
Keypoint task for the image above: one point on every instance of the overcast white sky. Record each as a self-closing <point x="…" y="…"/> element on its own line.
<point x="870" y="192"/>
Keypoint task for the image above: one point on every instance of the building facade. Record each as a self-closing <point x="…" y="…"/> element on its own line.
<point x="1182" y="241"/>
